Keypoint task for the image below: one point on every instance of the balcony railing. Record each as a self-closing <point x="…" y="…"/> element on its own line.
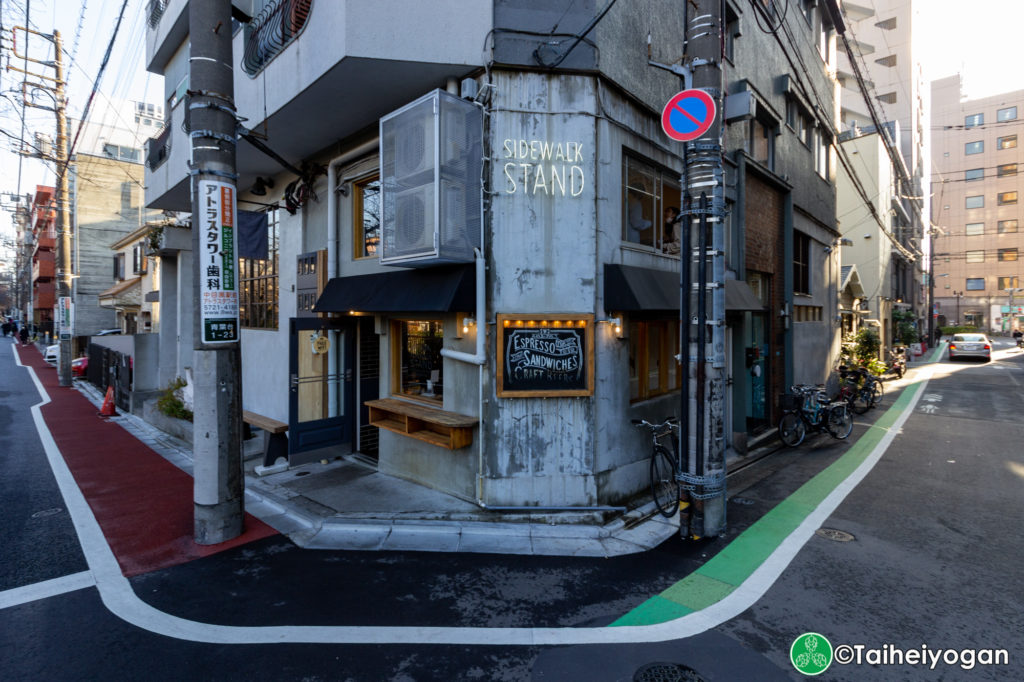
<point x="155" y="10"/>
<point x="158" y="148"/>
<point x="272" y="30"/>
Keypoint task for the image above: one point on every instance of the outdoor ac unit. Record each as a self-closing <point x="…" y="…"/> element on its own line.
<point x="430" y="167"/>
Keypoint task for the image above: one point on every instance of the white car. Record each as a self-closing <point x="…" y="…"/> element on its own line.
<point x="970" y="346"/>
<point x="52" y="354"/>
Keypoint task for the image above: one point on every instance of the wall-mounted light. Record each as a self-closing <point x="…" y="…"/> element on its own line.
<point x="259" y="188"/>
<point x="615" y="324"/>
<point x="463" y="325"/>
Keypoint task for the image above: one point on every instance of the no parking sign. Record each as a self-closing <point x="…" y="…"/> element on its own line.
<point x="688" y="115"/>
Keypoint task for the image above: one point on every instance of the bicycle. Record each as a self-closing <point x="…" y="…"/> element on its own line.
<point x="808" y="409"/>
<point x="869" y="387"/>
<point x="664" y="484"/>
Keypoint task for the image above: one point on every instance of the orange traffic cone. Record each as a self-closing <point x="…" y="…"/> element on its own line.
<point x="107" y="410"/>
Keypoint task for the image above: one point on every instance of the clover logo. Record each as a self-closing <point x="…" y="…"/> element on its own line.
<point x="811" y="653"/>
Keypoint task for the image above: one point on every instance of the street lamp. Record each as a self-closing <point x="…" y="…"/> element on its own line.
<point x="958" y="294"/>
<point x="1009" y="308"/>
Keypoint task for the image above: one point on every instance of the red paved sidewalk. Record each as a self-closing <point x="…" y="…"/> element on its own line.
<point x="142" y="502"/>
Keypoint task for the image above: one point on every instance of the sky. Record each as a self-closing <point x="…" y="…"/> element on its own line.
<point x="978" y="39"/>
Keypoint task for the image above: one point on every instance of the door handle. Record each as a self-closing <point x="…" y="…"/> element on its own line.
<point x="294" y="383"/>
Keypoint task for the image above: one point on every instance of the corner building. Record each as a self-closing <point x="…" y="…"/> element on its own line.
<point x="467" y="275"/>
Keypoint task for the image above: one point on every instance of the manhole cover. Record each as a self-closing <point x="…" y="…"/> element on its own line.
<point x="47" y="512"/>
<point x="666" y="672"/>
<point x="746" y="501"/>
<point x="834" y="535"/>
<point x="302" y="473"/>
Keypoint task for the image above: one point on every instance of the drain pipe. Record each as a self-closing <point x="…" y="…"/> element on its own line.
<point x="332" y="253"/>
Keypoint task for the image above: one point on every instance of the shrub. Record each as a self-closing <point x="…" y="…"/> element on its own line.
<point x="170" y="404"/>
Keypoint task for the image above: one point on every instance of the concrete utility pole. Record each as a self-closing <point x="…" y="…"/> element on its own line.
<point x="217" y="383"/>
<point x="63" y="222"/>
<point x="705" y="187"/>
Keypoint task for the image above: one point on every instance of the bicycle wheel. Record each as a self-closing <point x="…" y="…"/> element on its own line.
<point x="664" y="486"/>
<point x="792" y="429"/>
<point x="876" y="392"/>
<point x="860" y="400"/>
<point x="840" y="422"/>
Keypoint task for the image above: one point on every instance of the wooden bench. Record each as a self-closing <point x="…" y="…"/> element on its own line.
<point x="275" y="443"/>
<point x="445" y="429"/>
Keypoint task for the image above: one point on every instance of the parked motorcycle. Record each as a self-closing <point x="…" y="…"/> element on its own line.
<point x="897" y="363"/>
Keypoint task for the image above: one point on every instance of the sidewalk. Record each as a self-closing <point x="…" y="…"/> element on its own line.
<point x="347" y="504"/>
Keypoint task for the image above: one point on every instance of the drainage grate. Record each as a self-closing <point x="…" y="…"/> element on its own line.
<point x="666" y="672"/>
<point x="47" y="512"/>
<point x="745" y="501"/>
<point x="835" y="535"/>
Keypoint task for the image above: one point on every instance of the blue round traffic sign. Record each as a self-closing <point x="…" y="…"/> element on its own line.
<point x="688" y="115"/>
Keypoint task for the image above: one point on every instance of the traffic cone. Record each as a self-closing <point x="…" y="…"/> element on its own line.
<point x="107" y="410"/>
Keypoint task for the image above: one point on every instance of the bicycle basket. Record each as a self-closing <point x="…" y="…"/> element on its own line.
<point x="791" y="401"/>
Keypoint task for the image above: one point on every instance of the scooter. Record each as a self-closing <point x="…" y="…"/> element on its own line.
<point x="897" y="361"/>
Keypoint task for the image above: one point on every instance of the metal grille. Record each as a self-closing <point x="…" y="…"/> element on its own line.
<point x="266" y="36"/>
<point x="666" y="672"/>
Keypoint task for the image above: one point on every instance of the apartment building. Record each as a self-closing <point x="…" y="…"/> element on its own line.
<point x="892" y="266"/>
<point x="457" y="260"/>
<point x="976" y="207"/>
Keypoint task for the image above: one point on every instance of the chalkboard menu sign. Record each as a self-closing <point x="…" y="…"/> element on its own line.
<point x="545" y="355"/>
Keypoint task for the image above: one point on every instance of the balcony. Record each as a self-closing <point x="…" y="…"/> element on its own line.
<point x="44" y="296"/>
<point x="272" y="30"/>
<point x="158" y="147"/>
<point x="44" y="266"/>
<point x="167" y="157"/>
<point x="154" y="11"/>
<point x="46" y="240"/>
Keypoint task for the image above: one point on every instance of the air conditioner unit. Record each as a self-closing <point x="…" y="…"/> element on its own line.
<point x="431" y="195"/>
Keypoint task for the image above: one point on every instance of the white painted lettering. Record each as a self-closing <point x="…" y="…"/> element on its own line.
<point x="573" y="172"/>
<point x="511" y="189"/>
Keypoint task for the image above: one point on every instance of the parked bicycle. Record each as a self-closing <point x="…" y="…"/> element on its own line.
<point x="808" y="409"/>
<point x="857" y="389"/>
<point x="664" y="484"/>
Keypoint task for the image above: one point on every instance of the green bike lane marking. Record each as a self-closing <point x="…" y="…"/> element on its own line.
<point x="728" y="569"/>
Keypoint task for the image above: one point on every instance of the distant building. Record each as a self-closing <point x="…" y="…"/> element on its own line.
<point x="976" y="206"/>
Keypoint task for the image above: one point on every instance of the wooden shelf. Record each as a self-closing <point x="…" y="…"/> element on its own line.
<point x="445" y="429"/>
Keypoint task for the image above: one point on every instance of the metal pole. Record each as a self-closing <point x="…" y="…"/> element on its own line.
<point x="63" y="219"/>
<point x="217" y="444"/>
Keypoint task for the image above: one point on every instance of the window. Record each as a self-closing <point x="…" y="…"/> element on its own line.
<point x="139" y="259"/>
<point x="1007" y="198"/>
<point x="732" y="32"/>
<point x="1007" y="254"/>
<point x="257" y="284"/>
<point x="801" y="123"/>
<point x="975" y="256"/>
<point x="126" y="196"/>
<point x="1008" y="283"/>
<point x="977" y="201"/>
<point x="366" y="215"/>
<point x="975" y="284"/>
<point x="650" y="194"/>
<point x="1007" y="226"/>
<point x="808" y="11"/>
<point x="119" y="267"/>
<point x="417" y="370"/>
<point x="974" y="174"/>
<point x="974" y="229"/>
<point x="1006" y="170"/>
<point x="653" y="370"/>
<point x="1007" y="114"/>
<point x="180" y="90"/>
<point x="974" y="147"/>
<point x="822" y="154"/>
<point x="801" y="263"/>
<point x="807" y="313"/>
<point x="1006" y="142"/>
<point x="974" y="120"/>
<point x="113" y="151"/>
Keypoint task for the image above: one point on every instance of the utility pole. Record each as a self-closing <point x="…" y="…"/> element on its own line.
<point x="64" y="312"/>
<point x="705" y="189"/>
<point x="218" y="494"/>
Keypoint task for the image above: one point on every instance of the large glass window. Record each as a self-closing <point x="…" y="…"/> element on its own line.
<point x="974" y="147"/>
<point x="976" y="201"/>
<point x="1007" y="114"/>
<point x="975" y="256"/>
<point x="975" y="284"/>
<point x="1007" y="198"/>
<point x="1006" y="170"/>
<point x="1008" y="283"/>
<point x="974" y="229"/>
<point x="1006" y="142"/>
<point x="974" y="174"/>
<point x="653" y="369"/>
<point x="651" y="201"/>
<point x="366" y="214"/>
<point x="1007" y="254"/>
<point x="257" y="284"/>
<point x="417" y="368"/>
<point x="1007" y="226"/>
<point x="974" y="120"/>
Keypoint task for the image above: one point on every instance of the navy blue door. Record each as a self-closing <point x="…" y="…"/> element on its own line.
<point x="321" y="406"/>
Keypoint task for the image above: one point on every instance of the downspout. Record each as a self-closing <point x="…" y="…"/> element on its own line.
<point x="332" y="252"/>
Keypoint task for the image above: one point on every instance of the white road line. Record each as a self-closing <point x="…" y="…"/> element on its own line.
<point x="47" y="588"/>
<point x="118" y="596"/>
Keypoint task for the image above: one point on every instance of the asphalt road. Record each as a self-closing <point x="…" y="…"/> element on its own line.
<point x="933" y="560"/>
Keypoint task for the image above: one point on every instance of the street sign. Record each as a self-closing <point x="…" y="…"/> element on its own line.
<point x="65" y="317"/>
<point x="688" y="115"/>
<point x="218" y="290"/>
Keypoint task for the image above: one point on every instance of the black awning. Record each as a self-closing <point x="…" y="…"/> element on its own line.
<point x="628" y="288"/>
<point x="437" y="290"/>
<point x="739" y="296"/>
